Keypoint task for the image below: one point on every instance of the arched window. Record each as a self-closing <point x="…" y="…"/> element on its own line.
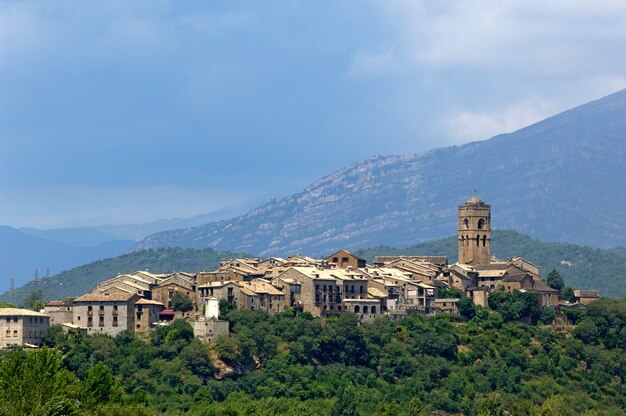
<point x="466" y="223"/>
<point x="373" y="309"/>
<point x="345" y="308"/>
<point x="484" y="240"/>
<point x="467" y="240"/>
<point x="365" y="309"/>
<point x="477" y="240"/>
<point x="462" y="240"/>
<point x="481" y="224"/>
<point x="357" y="309"/>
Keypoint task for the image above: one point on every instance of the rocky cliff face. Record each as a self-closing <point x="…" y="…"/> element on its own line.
<point x="562" y="179"/>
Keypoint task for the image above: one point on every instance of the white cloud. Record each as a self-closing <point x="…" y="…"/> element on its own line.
<point x="465" y="126"/>
<point x="553" y="37"/>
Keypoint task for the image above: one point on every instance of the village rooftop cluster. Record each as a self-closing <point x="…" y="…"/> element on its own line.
<point x="342" y="282"/>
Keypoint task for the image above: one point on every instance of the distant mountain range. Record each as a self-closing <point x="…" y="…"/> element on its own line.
<point x="24" y="250"/>
<point x="562" y="179"/>
<point x="21" y="254"/>
<point x="581" y="267"/>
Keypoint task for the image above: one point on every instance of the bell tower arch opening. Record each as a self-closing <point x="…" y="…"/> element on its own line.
<point x="474" y="228"/>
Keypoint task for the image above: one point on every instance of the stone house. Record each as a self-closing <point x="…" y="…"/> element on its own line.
<point x="344" y="259"/>
<point x="176" y="282"/>
<point x="586" y="296"/>
<point x="261" y="295"/>
<point x="22" y="327"/>
<point x="59" y="311"/>
<point x="447" y="305"/>
<point x="105" y="313"/>
<point x="147" y="313"/>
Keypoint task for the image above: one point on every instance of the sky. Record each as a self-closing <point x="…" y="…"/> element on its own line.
<point x="122" y="112"/>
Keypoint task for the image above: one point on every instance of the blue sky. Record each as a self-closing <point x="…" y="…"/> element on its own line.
<point x="116" y="112"/>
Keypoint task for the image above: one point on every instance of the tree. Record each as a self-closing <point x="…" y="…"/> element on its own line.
<point x="34" y="299"/>
<point x="197" y="358"/>
<point x="346" y="403"/>
<point x="99" y="387"/>
<point x="181" y="302"/>
<point x="467" y="309"/>
<point x="555" y="280"/>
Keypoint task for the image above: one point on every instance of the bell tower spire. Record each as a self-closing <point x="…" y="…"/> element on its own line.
<point x="474" y="238"/>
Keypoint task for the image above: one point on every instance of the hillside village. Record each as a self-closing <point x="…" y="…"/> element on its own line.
<point x="342" y="282"/>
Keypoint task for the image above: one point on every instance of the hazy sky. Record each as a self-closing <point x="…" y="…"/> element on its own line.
<point x="131" y="111"/>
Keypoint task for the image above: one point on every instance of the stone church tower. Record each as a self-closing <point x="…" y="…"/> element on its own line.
<point x="474" y="232"/>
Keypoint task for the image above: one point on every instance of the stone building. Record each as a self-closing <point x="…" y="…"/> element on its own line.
<point x="147" y="313"/>
<point x="59" y="311"/>
<point x="586" y="296"/>
<point x="22" y="327"/>
<point x="474" y="232"/>
<point x="345" y="259"/>
<point x="105" y="313"/>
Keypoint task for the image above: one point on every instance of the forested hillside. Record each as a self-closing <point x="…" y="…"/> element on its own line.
<point x="581" y="267"/>
<point x="484" y="363"/>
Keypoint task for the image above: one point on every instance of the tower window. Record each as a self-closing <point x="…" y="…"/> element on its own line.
<point x="477" y="240"/>
<point x="484" y="240"/>
<point x="481" y="224"/>
<point x="466" y="223"/>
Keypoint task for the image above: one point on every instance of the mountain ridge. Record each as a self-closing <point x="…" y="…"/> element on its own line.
<point x="556" y="180"/>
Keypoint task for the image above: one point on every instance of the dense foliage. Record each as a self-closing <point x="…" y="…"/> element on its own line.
<point x="293" y="364"/>
<point x="581" y="267"/>
<point x="83" y="279"/>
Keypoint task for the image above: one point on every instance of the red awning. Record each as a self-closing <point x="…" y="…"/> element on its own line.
<point x="167" y="312"/>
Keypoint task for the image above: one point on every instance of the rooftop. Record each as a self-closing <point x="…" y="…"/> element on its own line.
<point x="19" y="312"/>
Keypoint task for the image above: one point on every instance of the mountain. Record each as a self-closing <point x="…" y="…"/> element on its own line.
<point x="84" y="278"/>
<point x="21" y="254"/>
<point x="561" y="179"/>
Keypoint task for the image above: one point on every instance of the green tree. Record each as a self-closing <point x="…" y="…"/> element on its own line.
<point x="181" y="302"/>
<point x="33" y="381"/>
<point x="99" y="387"/>
<point x="555" y="280"/>
<point x="467" y="309"/>
<point x="197" y="358"/>
<point x="346" y="403"/>
<point x="34" y="299"/>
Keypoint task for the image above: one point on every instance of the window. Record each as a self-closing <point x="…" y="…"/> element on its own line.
<point x="8" y="319"/>
<point x="335" y="259"/>
<point x="89" y="321"/>
<point x="481" y="224"/>
<point x="344" y="259"/>
<point x="15" y="332"/>
<point x="466" y="223"/>
<point x="484" y="240"/>
<point x="101" y="321"/>
<point x="15" y="319"/>
<point x="114" y="321"/>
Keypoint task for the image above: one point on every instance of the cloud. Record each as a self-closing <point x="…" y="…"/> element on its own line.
<point x="465" y="126"/>
<point x="547" y="37"/>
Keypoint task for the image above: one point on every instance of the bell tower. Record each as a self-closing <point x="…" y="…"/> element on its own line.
<point x="474" y="232"/>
